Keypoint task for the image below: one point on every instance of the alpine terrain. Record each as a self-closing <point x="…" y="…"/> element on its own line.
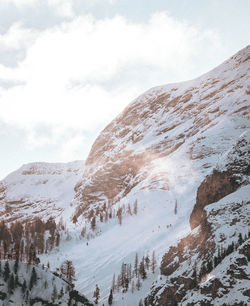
<point x="158" y="214"/>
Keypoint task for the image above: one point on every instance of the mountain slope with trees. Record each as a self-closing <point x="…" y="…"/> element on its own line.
<point x="137" y="190"/>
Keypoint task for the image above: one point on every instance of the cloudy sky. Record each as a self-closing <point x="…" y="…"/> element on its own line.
<point x="67" y="67"/>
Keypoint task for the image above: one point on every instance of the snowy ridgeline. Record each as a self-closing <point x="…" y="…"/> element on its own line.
<point x="26" y="284"/>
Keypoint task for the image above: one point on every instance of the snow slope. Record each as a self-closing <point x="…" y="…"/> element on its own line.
<point x="48" y="289"/>
<point x="39" y="189"/>
<point x="157" y="151"/>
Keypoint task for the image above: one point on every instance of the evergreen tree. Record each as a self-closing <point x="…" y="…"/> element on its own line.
<point x="93" y="223"/>
<point x="113" y="283"/>
<point x="209" y="266"/>
<point x="57" y="239"/>
<point x="153" y="262"/>
<point x="110" y="299"/>
<point x="119" y="215"/>
<point x="11" y="284"/>
<point x="61" y="293"/>
<point x="135" y="207"/>
<point x="24" y="286"/>
<point x="16" y="280"/>
<point x="33" y="278"/>
<point x="96" y="294"/>
<point x="133" y="286"/>
<point x="138" y="282"/>
<point x="6" y="272"/>
<point x="240" y="239"/>
<point x="136" y="265"/>
<point x="68" y="270"/>
<point x="142" y="270"/>
<point x="54" y="294"/>
<point x="140" y="303"/>
<point x="129" y="210"/>
<point x="175" y="208"/>
<point x="16" y="266"/>
<point x="194" y="275"/>
<point x="147" y="262"/>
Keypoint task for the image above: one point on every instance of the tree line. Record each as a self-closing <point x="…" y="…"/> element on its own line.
<point x="24" y="241"/>
<point x="105" y="212"/>
<point x="131" y="277"/>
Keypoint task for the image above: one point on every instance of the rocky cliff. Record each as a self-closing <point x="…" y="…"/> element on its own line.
<point x="211" y="265"/>
<point x="189" y="124"/>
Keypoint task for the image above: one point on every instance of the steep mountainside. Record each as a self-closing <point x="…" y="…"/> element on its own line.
<point x="184" y="126"/>
<point x="138" y="188"/>
<point x="23" y="284"/>
<point x="39" y="189"/>
<point x="211" y="265"/>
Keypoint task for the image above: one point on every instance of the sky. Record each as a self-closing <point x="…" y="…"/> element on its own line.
<point x="68" y="67"/>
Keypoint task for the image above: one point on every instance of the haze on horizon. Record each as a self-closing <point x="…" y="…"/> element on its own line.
<point x="68" y="67"/>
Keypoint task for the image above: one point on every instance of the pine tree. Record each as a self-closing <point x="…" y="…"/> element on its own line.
<point x="133" y="286"/>
<point x="140" y="303"/>
<point x="194" y="275"/>
<point x="11" y="284"/>
<point x="147" y="262"/>
<point x="68" y="270"/>
<point x="96" y="294"/>
<point x="33" y="278"/>
<point x="209" y="267"/>
<point x="142" y="270"/>
<point x="119" y="215"/>
<point x="16" y="266"/>
<point x="57" y="239"/>
<point x="153" y="262"/>
<point x="6" y="272"/>
<point x="136" y="265"/>
<point x="93" y="223"/>
<point x="110" y="299"/>
<point x="135" y="207"/>
<point x="16" y="280"/>
<point x="113" y="283"/>
<point x="175" y="208"/>
<point x="61" y="293"/>
<point x="54" y="294"/>
<point x="24" y="286"/>
<point x="240" y="239"/>
<point x="138" y="282"/>
<point x="129" y="210"/>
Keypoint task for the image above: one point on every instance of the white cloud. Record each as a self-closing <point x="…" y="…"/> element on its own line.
<point x="71" y="146"/>
<point x="62" y="7"/>
<point x="92" y="53"/>
<point x="16" y="38"/>
<point x="19" y="3"/>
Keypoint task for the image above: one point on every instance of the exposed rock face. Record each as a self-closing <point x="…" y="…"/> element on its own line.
<point x="211" y="265"/>
<point x="219" y="184"/>
<point x="186" y="119"/>
<point x="214" y="188"/>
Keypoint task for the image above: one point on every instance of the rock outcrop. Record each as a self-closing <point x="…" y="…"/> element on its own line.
<point x="224" y="180"/>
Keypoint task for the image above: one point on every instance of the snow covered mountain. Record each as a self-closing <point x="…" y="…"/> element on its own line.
<point x="138" y="187"/>
<point x="211" y="266"/>
<point x="169" y="137"/>
<point x="39" y="189"/>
